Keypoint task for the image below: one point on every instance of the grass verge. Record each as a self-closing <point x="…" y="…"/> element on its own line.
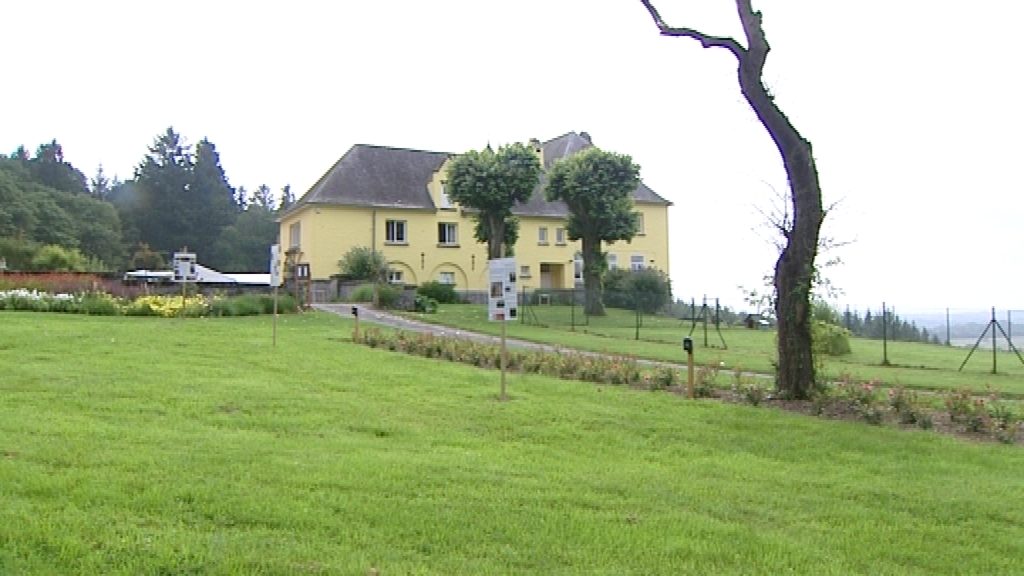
<point x="161" y="446"/>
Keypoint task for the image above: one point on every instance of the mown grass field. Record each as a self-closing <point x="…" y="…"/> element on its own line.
<point x="165" y="446"/>
<point x="912" y="364"/>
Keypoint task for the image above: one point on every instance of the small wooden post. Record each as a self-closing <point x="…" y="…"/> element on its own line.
<point x="689" y="377"/>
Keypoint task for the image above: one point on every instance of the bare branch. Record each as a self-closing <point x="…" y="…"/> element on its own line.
<point x="751" y="21"/>
<point x="705" y="40"/>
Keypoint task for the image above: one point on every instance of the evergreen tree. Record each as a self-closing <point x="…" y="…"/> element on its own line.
<point x="287" y="198"/>
<point x="100" y="185"/>
<point x="211" y="202"/>
<point x="49" y="169"/>
<point x="158" y="200"/>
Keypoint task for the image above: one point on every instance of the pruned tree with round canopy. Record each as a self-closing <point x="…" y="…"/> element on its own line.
<point x="598" y="188"/>
<point x="491" y="183"/>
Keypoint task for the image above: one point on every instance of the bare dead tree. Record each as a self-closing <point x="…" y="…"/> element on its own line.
<point x="794" y="269"/>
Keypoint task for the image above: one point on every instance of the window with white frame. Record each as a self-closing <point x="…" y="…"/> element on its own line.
<point x="613" y="261"/>
<point x="446" y="278"/>
<point x="448" y="234"/>
<point x="446" y="202"/>
<point x="295" y="235"/>
<point x="524" y="271"/>
<point x="640" y="223"/>
<point x="395" y="277"/>
<point x="577" y="268"/>
<point x="560" y="236"/>
<point x="542" y="235"/>
<point x="636" y="262"/>
<point x="395" y="232"/>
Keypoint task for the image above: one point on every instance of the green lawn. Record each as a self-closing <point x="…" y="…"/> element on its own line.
<point x="912" y="364"/>
<point x="153" y="446"/>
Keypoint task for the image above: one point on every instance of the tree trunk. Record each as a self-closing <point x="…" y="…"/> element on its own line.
<point x="496" y="234"/>
<point x="794" y="269"/>
<point x="592" y="269"/>
<point x="794" y="273"/>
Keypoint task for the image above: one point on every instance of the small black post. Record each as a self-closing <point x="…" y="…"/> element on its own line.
<point x="885" y="336"/>
<point x="688" y="347"/>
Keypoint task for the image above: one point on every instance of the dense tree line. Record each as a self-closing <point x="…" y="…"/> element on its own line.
<point x="179" y="196"/>
<point x="886" y="325"/>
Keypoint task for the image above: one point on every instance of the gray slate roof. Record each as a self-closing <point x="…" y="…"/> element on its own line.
<point x="378" y="176"/>
<point x="383" y="177"/>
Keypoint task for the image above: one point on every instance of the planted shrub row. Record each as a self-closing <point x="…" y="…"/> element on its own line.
<point x="565" y="365"/>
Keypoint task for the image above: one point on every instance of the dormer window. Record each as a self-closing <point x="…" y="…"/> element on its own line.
<point x="445" y="201"/>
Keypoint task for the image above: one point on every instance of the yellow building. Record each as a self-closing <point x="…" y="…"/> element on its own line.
<point x="393" y="200"/>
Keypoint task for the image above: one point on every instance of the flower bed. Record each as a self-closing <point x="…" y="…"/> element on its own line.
<point x="103" y="304"/>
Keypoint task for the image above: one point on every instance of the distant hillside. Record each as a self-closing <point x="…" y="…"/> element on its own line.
<point x="968" y="324"/>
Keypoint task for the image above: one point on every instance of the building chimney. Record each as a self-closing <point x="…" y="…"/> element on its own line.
<point x="537" y="149"/>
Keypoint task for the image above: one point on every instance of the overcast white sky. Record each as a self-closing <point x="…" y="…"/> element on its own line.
<point x="913" y="111"/>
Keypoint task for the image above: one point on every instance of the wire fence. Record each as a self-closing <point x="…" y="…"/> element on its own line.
<point x="963" y="327"/>
<point x="910" y="339"/>
<point x="987" y="332"/>
<point x="637" y="315"/>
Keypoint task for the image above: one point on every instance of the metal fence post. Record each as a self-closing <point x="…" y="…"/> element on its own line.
<point x="885" y="336"/>
<point x="572" y="310"/>
<point x="636" y="303"/>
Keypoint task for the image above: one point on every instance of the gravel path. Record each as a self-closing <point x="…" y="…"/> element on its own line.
<point x="368" y="314"/>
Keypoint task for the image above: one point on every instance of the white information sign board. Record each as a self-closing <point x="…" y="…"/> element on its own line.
<point x="275" y="265"/>
<point x="185" y="267"/>
<point x="503" y="300"/>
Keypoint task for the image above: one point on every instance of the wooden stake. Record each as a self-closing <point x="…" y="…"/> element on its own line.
<point x="689" y="378"/>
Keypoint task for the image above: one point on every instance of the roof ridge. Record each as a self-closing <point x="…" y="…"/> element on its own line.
<point x="398" y="148"/>
<point x="557" y="137"/>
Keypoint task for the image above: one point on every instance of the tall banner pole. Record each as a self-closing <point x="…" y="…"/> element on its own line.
<point x="275" y="315"/>
<point x="275" y="280"/>
<point x="502" y="303"/>
<point x="184" y="272"/>
<point x="503" y="361"/>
